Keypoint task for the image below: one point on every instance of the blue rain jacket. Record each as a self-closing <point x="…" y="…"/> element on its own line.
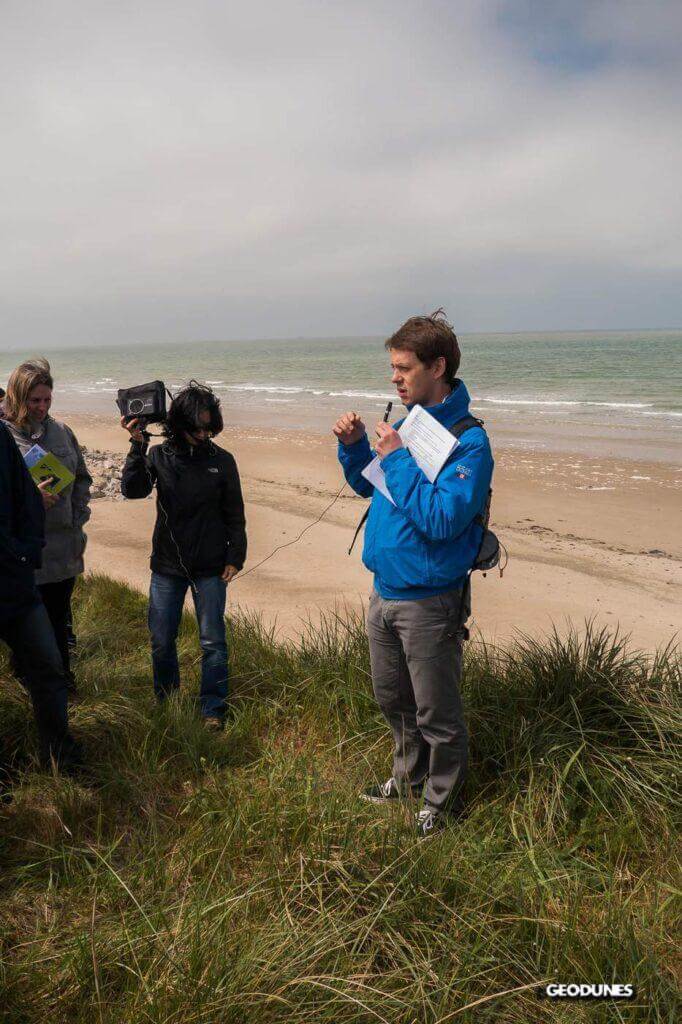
<point x="427" y="542"/>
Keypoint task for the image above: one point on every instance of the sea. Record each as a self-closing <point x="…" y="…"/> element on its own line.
<point x="603" y="393"/>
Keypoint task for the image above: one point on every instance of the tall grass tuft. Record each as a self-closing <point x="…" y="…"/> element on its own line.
<point x="200" y="878"/>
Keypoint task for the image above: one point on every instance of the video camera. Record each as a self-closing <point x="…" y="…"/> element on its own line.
<point x="143" y="402"/>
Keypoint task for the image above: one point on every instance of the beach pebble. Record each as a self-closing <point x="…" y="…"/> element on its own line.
<point x="106" y="469"/>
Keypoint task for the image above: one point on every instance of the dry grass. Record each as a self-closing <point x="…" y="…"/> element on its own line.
<point x="200" y="878"/>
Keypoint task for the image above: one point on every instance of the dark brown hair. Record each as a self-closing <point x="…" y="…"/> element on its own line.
<point x="21" y="383"/>
<point x="429" y="337"/>
<point x="185" y="410"/>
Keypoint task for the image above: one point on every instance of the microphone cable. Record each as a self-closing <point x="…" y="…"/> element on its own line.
<point x="239" y="575"/>
<point x="288" y="543"/>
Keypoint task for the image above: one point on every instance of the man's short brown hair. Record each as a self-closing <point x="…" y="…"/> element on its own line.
<point x="429" y="337"/>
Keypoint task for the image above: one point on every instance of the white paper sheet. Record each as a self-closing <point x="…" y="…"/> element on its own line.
<point x="428" y="442"/>
<point x="375" y="474"/>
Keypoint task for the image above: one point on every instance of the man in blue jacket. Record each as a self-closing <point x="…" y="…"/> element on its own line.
<point x="420" y="550"/>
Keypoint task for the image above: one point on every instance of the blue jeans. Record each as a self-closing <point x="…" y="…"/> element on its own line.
<point x="166" y="598"/>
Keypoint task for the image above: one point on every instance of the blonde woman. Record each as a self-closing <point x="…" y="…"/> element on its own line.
<point x="27" y="416"/>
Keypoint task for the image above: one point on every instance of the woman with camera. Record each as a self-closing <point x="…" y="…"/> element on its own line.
<point x="26" y="408"/>
<point x="199" y="538"/>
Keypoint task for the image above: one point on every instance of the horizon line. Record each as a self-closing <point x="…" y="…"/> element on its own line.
<point x="350" y="337"/>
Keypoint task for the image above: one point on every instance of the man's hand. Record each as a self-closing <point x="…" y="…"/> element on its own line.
<point x="349" y="428"/>
<point x="389" y="440"/>
<point x="229" y="573"/>
<point x="49" y="500"/>
<point x="133" y="429"/>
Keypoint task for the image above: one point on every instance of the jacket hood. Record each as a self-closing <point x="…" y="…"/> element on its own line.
<point x="453" y="408"/>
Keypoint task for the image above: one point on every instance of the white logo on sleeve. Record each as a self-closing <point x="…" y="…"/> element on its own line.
<point x="213" y="469"/>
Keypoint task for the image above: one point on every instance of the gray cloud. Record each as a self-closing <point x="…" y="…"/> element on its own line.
<point x="192" y="171"/>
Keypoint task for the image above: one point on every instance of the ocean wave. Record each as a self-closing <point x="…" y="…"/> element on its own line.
<point x="385" y="397"/>
<point x="544" y="406"/>
<point x="563" y="402"/>
<point x="291" y="389"/>
<point x="278" y="389"/>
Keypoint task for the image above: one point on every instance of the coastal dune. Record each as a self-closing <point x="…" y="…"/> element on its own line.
<point x="587" y="539"/>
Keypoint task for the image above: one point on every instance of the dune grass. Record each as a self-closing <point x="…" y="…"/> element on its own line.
<point x="196" y="878"/>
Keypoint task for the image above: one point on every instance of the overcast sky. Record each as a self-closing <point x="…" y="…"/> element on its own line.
<point x="210" y="169"/>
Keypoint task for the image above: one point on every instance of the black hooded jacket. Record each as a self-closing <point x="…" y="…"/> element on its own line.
<point x="200" y="525"/>
<point x="22" y="526"/>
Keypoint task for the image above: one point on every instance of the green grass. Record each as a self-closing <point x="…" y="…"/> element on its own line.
<point x="237" y="878"/>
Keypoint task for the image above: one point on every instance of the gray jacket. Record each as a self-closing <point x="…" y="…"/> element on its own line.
<point x="65" y="538"/>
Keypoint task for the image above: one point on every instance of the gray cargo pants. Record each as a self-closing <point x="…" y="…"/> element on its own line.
<point x="416" y="656"/>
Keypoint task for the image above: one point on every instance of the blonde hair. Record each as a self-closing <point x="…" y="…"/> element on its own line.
<point x="21" y="383"/>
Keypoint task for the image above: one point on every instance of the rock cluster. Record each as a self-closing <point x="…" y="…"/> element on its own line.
<point x="105" y="469"/>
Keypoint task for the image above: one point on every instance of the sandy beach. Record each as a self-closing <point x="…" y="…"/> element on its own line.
<point x="587" y="538"/>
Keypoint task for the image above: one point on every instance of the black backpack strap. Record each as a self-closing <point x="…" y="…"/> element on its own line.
<point x="458" y="428"/>
<point x="466" y="423"/>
